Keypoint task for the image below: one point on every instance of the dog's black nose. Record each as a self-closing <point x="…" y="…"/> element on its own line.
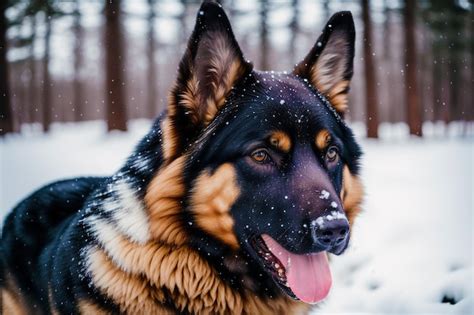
<point x="331" y="235"/>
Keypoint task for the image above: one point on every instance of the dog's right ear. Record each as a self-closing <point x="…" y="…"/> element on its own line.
<point x="212" y="64"/>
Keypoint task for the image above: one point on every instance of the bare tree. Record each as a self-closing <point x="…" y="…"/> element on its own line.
<point x="78" y="61"/>
<point x="326" y="10"/>
<point x="114" y="55"/>
<point x="295" y="28"/>
<point x="264" y="44"/>
<point x="33" y="102"/>
<point x="182" y="24"/>
<point x="46" y="88"/>
<point x="152" y="89"/>
<point x="6" y="118"/>
<point x="411" y="83"/>
<point x="389" y="63"/>
<point x="371" y="98"/>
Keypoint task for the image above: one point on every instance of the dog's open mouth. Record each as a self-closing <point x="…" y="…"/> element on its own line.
<point x="306" y="277"/>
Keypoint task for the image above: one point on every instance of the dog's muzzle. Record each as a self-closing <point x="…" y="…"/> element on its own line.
<point x="331" y="232"/>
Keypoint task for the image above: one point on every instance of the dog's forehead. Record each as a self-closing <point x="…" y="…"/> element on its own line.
<point x="282" y="99"/>
<point x="286" y="87"/>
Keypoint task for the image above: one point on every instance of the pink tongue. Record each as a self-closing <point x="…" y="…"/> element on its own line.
<point x="308" y="275"/>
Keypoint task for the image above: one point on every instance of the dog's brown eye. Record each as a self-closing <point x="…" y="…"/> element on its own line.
<point x="260" y="156"/>
<point x="331" y="154"/>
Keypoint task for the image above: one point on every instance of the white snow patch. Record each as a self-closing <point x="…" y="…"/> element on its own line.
<point x="324" y="194"/>
<point x="319" y="222"/>
<point x="334" y="215"/>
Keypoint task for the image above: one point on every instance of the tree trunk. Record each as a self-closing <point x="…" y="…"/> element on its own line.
<point x="6" y="118"/>
<point x="411" y="83"/>
<point x="78" y="61"/>
<point x="453" y="79"/>
<point x="326" y="10"/>
<point x="389" y="62"/>
<point x="370" y="81"/>
<point x="20" y="95"/>
<point x="183" y="25"/>
<point x="33" y="101"/>
<point x="438" y="107"/>
<point x="264" y="52"/>
<point x="294" y="28"/>
<point x="47" y="105"/>
<point x="114" y="55"/>
<point x="152" y="89"/>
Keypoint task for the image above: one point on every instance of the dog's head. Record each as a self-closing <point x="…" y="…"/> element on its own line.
<point x="269" y="168"/>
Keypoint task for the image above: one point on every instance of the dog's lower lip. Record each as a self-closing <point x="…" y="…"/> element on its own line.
<point x="269" y="260"/>
<point x="272" y="265"/>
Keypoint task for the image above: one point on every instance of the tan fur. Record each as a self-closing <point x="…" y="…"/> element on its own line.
<point x="11" y="304"/>
<point x="281" y="141"/>
<point x="12" y="300"/>
<point x="352" y="194"/>
<point x="338" y="97"/>
<point x="190" y="99"/>
<point x="132" y="275"/>
<point x="163" y="201"/>
<point x="323" y="138"/>
<point x="86" y="307"/>
<point x="224" y="69"/>
<point x="213" y="196"/>
<point x="169" y="140"/>
<point x="52" y="305"/>
<point x="231" y="72"/>
<point x="132" y="293"/>
<point x="328" y="73"/>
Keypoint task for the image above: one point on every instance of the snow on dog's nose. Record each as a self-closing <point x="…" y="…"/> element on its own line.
<point x="331" y="232"/>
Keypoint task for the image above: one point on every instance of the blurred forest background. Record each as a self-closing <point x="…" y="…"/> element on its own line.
<point x="63" y="61"/>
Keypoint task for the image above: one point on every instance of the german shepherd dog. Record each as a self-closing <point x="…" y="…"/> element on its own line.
<point x="229" y="205"/>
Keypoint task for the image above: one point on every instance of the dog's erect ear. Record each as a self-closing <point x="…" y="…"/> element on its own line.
<point x="329" y="64"/>
<point x="212" y="64"/>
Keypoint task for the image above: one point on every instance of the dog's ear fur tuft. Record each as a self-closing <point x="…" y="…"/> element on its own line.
<point x="329" y="64"/>
<point x="212" y="64"/>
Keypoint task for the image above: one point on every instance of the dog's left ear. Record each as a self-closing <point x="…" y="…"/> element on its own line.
<point x="212" y="64"/>
<point x="329" y="64"/>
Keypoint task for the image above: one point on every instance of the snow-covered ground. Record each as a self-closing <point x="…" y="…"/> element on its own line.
<point x="411" y="248"/>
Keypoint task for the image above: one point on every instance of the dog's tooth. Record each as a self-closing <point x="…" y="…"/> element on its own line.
<point x="277" y="266"/>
